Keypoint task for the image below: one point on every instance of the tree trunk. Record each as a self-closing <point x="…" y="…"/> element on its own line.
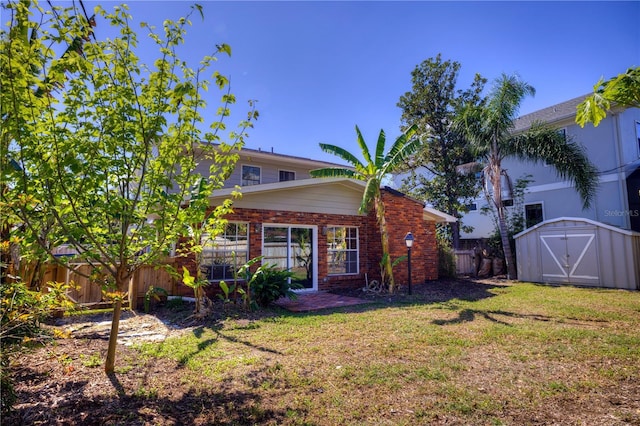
<point x="382" y="222"/>
<point x="121" y="279"/>
<point x="496" y="175"/>
<point x="455" y="234"/>
<point x="506" y="246"/>
<point x="109" y="364"/>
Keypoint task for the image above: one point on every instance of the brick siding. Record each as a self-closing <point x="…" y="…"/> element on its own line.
<point x="403" y="215"/>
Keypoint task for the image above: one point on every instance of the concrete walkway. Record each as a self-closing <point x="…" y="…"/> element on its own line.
<point x="308" y="302"/>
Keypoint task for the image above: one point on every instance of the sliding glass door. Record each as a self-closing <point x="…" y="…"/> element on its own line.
<point x="292" y="247"/>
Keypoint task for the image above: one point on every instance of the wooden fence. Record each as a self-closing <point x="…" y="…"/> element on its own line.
<point x="87" y="291"/>
<point x="465" y="262"/>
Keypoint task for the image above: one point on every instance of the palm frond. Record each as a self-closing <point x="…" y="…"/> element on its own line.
<point x="382" y="140"/>
<point x="363" y="147"/>
<point x="342" y="153"/>
<point x="569" y="159"/>
<point x="335" y="172"/>
<point x="403" y="147"/>
<point x="505" y="99"/>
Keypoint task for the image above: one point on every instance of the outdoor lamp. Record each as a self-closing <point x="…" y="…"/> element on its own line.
<point x="408" y="240"/>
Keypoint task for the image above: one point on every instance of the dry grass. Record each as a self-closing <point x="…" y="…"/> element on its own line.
<point x="455" y="353"/>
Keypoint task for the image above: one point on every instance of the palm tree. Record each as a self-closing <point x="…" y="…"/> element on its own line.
<point x="372" y="171"/>
<point x="489" y="128"/>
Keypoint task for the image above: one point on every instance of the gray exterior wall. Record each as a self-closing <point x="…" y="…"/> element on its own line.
<point x="270" y="165"/>
<point x="613" y="147"/>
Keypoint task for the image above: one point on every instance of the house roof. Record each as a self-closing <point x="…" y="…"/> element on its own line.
<point x="583" y="220"/>
<point x="258" y="154"/>
<point x="315" y="196"/>
<point x="562" y="111"/>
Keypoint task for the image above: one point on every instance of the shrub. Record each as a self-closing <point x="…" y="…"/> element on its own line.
<point x="21" y="312"/>
<point x="268" y="283"/>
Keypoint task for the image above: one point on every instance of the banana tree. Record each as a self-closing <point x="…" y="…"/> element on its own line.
<point x="372" y="171"/>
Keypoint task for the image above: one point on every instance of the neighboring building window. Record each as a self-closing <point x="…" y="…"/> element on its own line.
<point x="533" y="214"/>
<point x="226" y="253"/>
<point x="250" y="175"/>
<point x="507" y="203"/>
<point x="286" y="175"/>
<point x="563" y="132"/>
<point x="471" y="207"/>
<point x="342" y="250"/>
<point x="638" y="136"/>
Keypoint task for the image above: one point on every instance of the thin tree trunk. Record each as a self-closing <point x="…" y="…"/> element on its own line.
<point x="121" y="279"/>
<point x="455" y="234"/>
<point x="496" y="175"/>
<point x="506" y="247"/>
<point x="382" y="222"/>
<point x="109" y="364"/>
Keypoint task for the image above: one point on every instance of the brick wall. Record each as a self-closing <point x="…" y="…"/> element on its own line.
<point x="403" y="215"/>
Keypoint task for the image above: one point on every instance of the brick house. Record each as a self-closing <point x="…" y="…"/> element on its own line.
<point x="312" y="226"/>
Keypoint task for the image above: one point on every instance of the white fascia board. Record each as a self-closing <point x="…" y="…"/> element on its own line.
<point x="432" y="215"/>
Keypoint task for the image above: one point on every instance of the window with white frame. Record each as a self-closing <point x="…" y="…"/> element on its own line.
<point x="224" y="254"/>
<point x="250" y="175"/>
<point x="286" y="175"/>
<point x="342" y="250"/>
<point x="533" y="214"/>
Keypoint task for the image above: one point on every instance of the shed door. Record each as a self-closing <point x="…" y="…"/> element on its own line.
<point x="569" y="256"/>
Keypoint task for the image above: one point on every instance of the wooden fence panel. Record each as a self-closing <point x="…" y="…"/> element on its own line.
<point x="148" y="276"/>
<point x="87" y="291"/>
<point x="465" y="263"/>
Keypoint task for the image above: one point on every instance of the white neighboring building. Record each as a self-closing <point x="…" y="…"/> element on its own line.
<point x="613" y="146"/>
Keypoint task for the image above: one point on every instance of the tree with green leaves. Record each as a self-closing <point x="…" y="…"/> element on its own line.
<point x="431" y="106"/>
<point x="105" y="145"/>
<point x="489" y="127"/>
<point x="372" y="171"/>
<point x="622" y="90"/>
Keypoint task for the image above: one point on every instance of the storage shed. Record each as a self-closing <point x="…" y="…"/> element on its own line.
<point x="579" y="251"/>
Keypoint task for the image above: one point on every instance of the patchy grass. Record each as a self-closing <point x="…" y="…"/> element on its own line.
<point x="494" y="354"/>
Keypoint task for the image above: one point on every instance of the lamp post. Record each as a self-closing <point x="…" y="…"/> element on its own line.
<point x="408" y="240"/>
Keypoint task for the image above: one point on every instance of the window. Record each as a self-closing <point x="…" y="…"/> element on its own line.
<point x="471" y="207"/>
<point x="533" y="214"/>
<point x="226" y="253"/>
<point x="286" y="175"/>
<point x="342" y="250"/>
<point x="638" y="135"/>
<point x="250" y="175"/>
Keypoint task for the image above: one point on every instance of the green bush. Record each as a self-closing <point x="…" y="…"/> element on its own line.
<point x="446" y="261"/>
<point x="268" y="284"/>
<point x="21" y="312"/>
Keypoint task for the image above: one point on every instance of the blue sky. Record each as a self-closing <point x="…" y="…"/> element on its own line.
<point x="319" y="68"/>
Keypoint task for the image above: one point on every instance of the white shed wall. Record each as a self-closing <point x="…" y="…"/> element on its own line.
<point x="617" y="254"/>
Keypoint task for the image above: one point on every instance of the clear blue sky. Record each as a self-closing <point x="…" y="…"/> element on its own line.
<point x="319" y="68"/>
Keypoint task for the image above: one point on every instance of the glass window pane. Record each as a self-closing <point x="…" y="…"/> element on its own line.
<point x="342" y="250"/>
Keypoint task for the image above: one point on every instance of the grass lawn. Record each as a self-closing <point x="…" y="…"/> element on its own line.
<point x="510" y="354"/>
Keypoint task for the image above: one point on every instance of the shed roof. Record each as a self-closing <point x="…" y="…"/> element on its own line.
<point x="577" y="219"/>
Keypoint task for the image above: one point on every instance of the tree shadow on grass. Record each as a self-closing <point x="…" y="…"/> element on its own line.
<point x="129" y="399"/>
<point x="469" y="315"/>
